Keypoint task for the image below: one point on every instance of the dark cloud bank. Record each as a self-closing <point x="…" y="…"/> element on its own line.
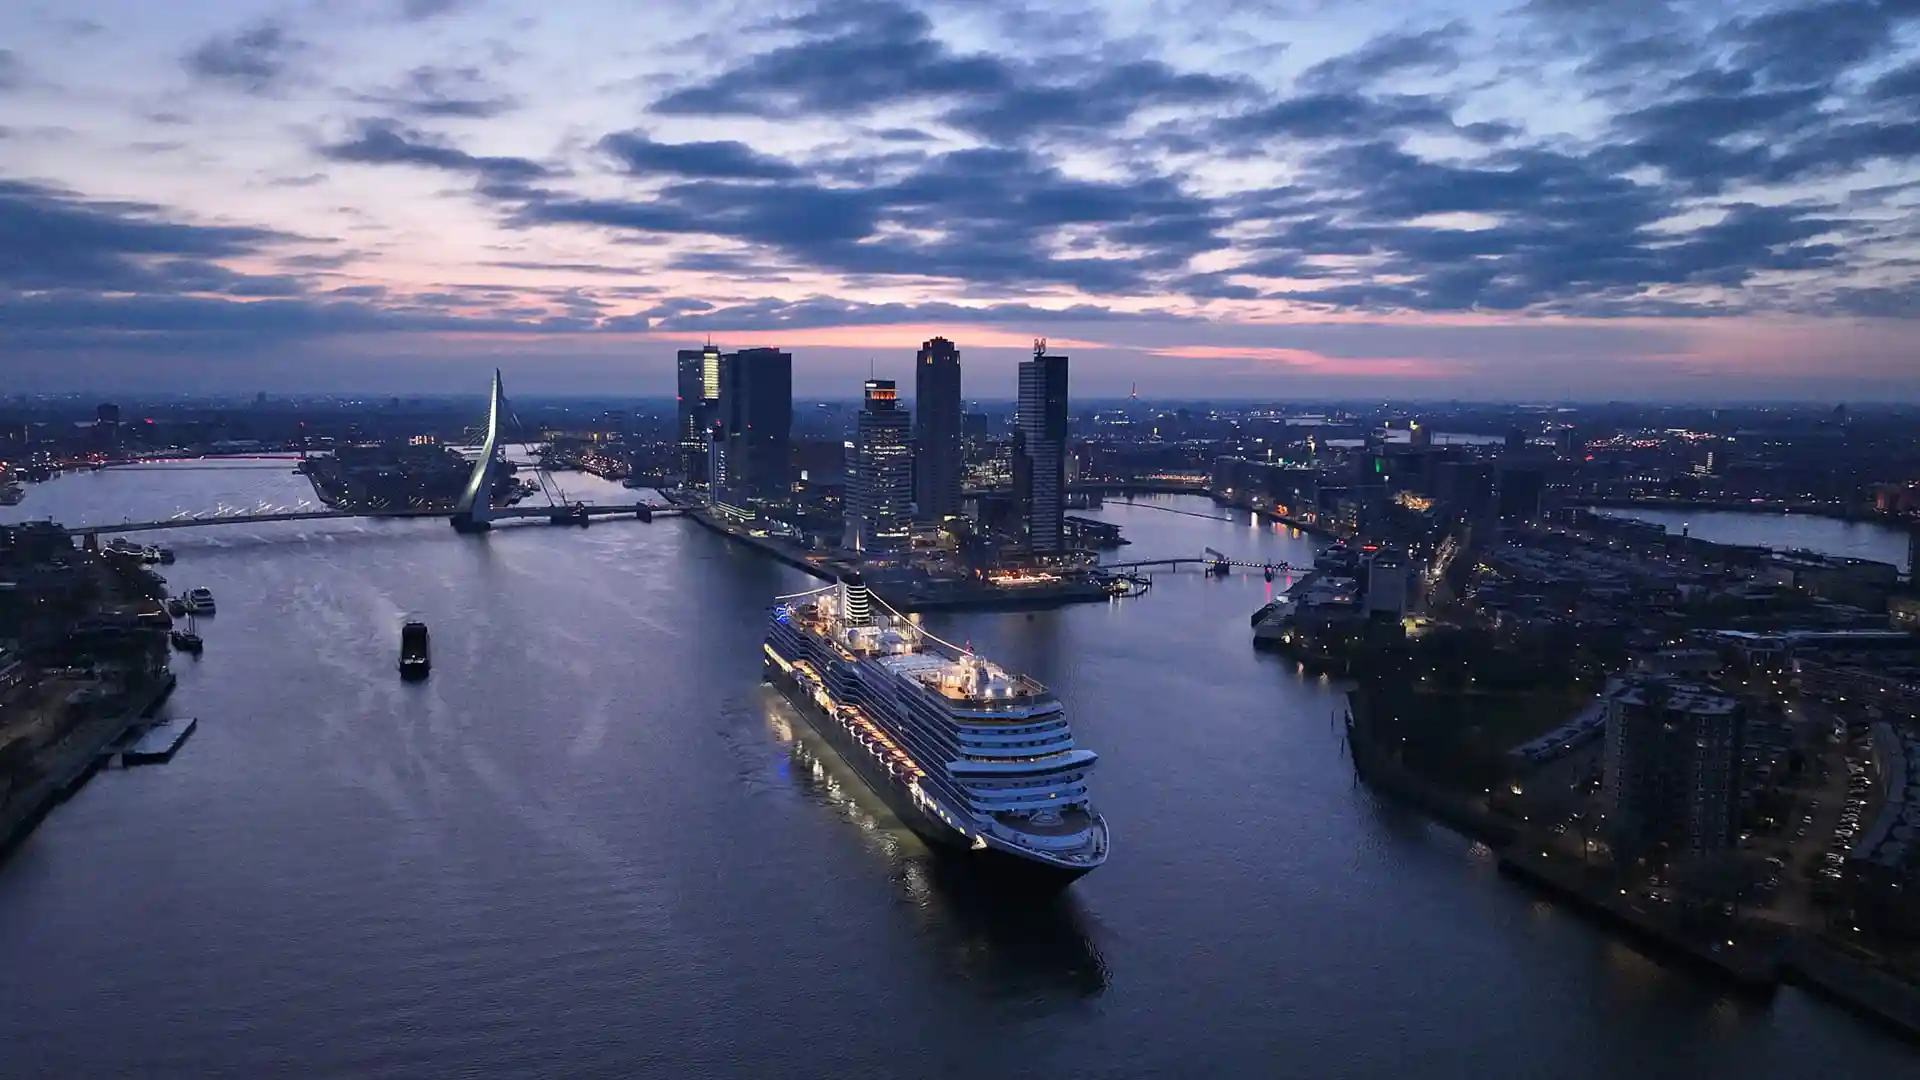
<point x="1676" y="210"/>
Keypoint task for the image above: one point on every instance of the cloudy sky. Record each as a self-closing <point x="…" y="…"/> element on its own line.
<point x="1229" y="198"/>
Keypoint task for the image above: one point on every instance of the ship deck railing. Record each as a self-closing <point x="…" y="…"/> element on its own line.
<point x="1072" y="820"/>
<point x="1025" y="692"/>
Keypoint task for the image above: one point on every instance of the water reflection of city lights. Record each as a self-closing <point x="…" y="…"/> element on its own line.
<point x="1042" y="943"/>
<point x="849" y="799"/>
<point x="914" y="877"/>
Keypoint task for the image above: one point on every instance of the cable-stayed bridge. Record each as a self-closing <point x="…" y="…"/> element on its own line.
<point x="473" y="512"/>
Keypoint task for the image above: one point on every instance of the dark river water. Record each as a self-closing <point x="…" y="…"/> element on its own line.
<point x="1811" y="532"/>
<point x="591" y="845"/>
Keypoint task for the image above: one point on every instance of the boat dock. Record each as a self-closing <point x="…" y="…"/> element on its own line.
<point x="160" y="741"/>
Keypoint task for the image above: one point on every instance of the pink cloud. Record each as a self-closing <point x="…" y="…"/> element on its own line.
<point x="1401" y="367"/>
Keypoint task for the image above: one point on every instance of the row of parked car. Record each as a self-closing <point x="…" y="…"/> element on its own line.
<point x="1852" y="815"/>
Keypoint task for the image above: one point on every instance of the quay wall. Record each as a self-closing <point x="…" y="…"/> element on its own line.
<point x="74" y="761"/>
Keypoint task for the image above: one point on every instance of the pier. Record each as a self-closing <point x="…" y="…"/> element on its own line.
<point x="160" y="742"/>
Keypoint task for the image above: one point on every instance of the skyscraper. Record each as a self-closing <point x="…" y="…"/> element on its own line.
<point x="756" y="421"/>
<point x="880" y="487"/>
<point x="1040" y="450"/>
<point x="692" y="425"/>
<point x="698" y="391"/>
<point x="937" y="456"/>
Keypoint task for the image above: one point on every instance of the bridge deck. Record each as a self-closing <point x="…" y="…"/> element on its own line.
<point x="511" y="512"/>
<point x="1206" y="560"/>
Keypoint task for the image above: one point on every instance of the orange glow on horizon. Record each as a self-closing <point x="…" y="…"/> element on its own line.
<point x="1400" y="366"/>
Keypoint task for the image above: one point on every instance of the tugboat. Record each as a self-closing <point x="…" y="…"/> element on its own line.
<point x="414" y="660"/>
<point x="188" y="640"/>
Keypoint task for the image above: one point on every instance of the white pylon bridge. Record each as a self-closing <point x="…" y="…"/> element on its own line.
<point x="473" y="511"/>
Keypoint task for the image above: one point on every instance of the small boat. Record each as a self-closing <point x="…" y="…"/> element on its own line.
<point x="188" y="640"/>
<point x="162" y="554"/>
<point x="200" y="601"/>
<point x="415" y="661"/>
<point x="176" y="606"/>
<point x="117" y="546"/>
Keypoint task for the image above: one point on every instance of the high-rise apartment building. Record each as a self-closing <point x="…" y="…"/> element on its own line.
<point x="937" y="453"/>
<point x="880" y="476"/>
<point x="1672" y="767"/>
<point x="755" y="421"/>
<point x="1040" y="448"/>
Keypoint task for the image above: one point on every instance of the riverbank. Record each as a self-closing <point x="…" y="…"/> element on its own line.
<point x="1309" y="527"/>
<point x="791" y="554"/>
<point x="1855" y="984"/>
<point x="1751" y="965"/>
<point x="75" y="759"/>
<point x="1836" y="511"/>
<point x="1379" y="767"/>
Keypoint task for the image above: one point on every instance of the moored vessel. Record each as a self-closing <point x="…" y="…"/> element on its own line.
<point x="415" y="659"/>
<point x="973" y="759"/>
<point x="199" y="601"/>
<point x="187" y="639"/>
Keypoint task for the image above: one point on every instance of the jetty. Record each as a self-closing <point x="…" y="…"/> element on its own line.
<point x="160" y="742"/>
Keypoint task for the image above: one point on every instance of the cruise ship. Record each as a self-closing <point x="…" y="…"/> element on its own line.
<point x="973" y="759"/>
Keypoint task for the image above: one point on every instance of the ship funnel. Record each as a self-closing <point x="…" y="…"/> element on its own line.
<point x="856" y="603"/>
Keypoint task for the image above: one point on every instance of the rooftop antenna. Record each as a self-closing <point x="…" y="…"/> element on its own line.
<point x="1039" y="347"/>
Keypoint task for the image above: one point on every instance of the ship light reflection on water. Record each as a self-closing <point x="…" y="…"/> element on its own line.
<point x="1018" y="578"/>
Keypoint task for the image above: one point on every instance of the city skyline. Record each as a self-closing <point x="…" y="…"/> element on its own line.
<point x="1537" y="200"/>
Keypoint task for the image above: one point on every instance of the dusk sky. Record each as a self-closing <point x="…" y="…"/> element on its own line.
<point x="1208" y="198"/>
